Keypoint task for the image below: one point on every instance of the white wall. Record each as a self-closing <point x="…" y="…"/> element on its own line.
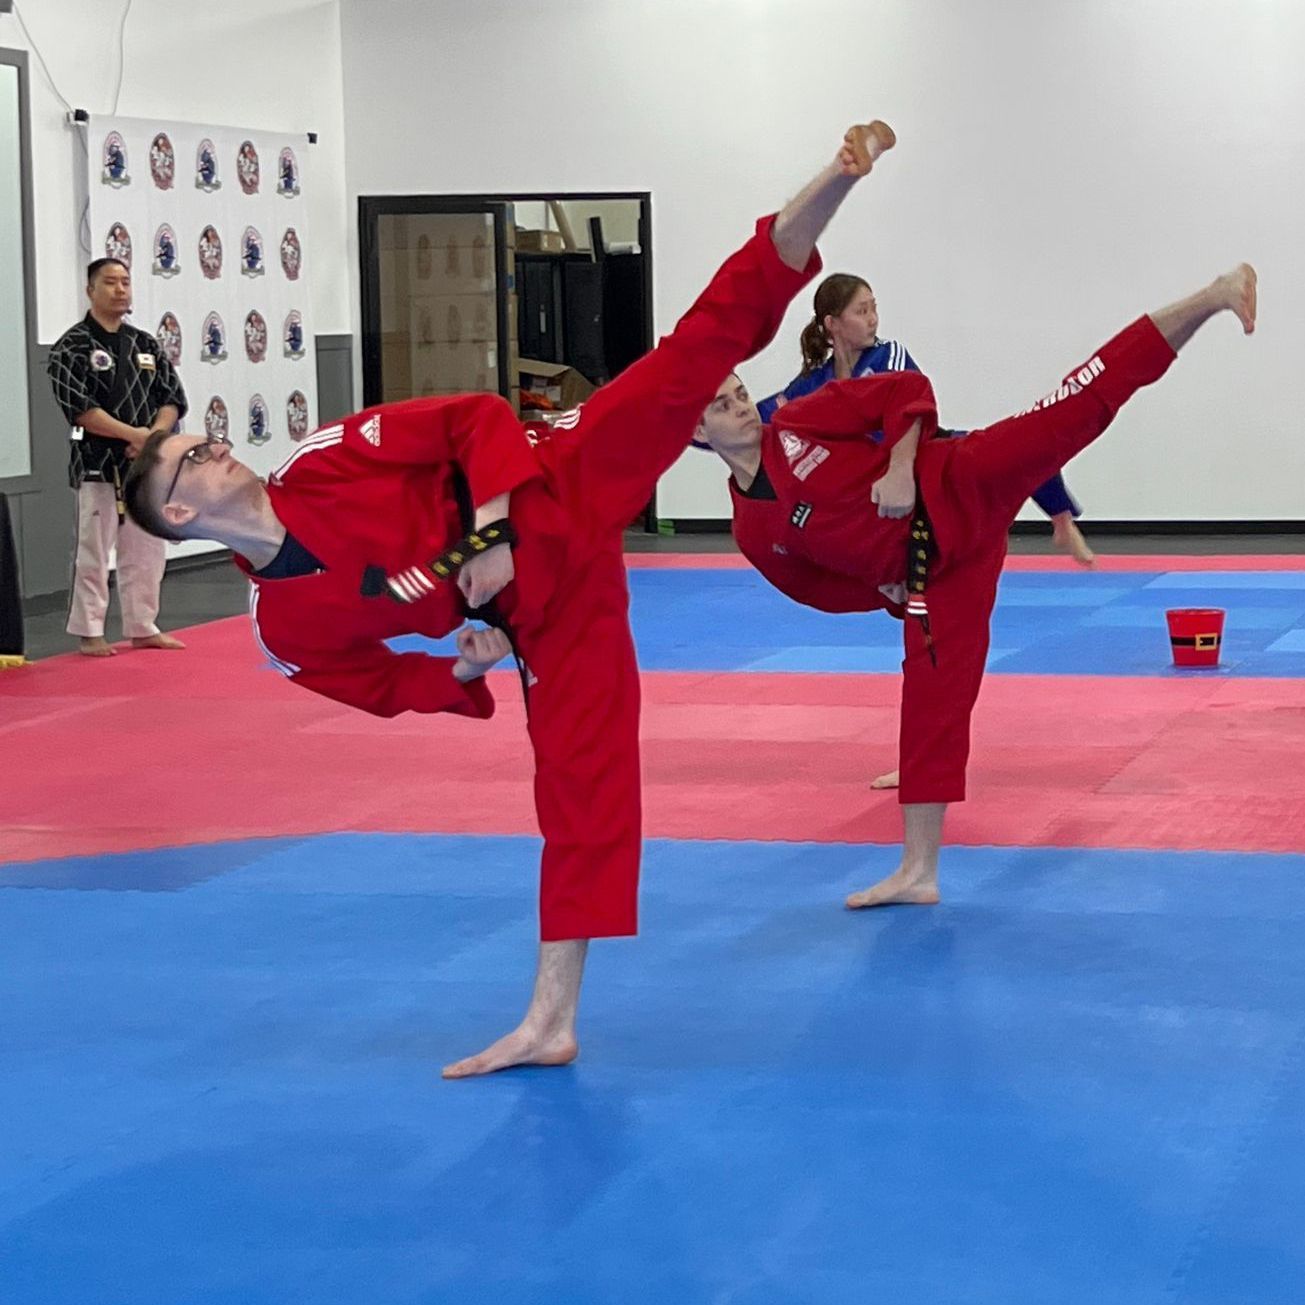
<point x="1064" y="164"/>
<point x="246" y="63"/>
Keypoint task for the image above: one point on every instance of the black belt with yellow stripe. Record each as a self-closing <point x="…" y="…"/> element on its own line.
<point x="413" y="583"/>
<point x="922" y="548"/>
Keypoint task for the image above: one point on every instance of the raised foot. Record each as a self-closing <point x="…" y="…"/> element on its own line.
<point x="890" y="780"/>
<point x="899" y="889"/>
<point x="1069" y="539"/>
<point x="157" y="641"/>
<point x="1241" y="288"/>
<point x="96" y="647"/>
<point x="521" y="1047"/>
<point x="863" y="144"/>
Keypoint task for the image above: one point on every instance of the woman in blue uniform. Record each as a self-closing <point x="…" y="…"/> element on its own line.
<point x="842" y="341"/>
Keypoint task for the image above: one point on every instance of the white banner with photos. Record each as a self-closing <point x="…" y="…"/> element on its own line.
<point x="211" y="221"/>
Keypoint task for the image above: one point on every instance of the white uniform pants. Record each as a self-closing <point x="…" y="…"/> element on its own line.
<point x="141" y="558"/>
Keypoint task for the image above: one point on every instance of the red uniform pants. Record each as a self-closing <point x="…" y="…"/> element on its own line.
<point x="605" y="461"/>
<point x="972" y="488"/>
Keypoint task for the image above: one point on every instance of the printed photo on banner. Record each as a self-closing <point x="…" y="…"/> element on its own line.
<point x="166" y="261"/>
<point x="292" y="254"/>
<point x="115" y="172"/>
<point x="287" y="182"/>
<point x="251" y="253"/>
<point x="117" y="244"/>
<point x="247" y="167"/>
<point x="214" y="346"/>
<point x="168" y="334"/>
<point x="294" y="335"/>
<point x="217" y="421"/>
<point x="296" y="412"/>
<point x="163" y="161"/>
<point x="260" y="430"/>
<point x="210" y="253"/>
<point x="255" y="336"/>
<point x="206" y="167"/>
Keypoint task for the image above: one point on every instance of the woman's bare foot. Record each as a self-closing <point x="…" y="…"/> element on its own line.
<point x="1240" y="288"/>
<point x="98" y="646"/>
<point x="157" y="641"/>
<point x="1069" y="539"/>
<point x="524" y="1046"/>
<point x="901" y="888"/>
<point x="862" y="145"/>
<point x="890" y="780"/>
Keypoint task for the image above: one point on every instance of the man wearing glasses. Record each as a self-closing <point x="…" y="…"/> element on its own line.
<point x="115" y="385"/>
<point x="403" y="519"/>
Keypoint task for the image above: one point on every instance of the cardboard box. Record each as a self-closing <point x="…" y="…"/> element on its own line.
<point x="436" y="232"/>
<point x="470" y="367"/>
<point x="451" y="319"/>
<point x="539" y="242"/>
<point x="557" y="382"/>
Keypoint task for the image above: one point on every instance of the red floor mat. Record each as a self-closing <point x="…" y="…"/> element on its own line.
<point x="208" y="745"/>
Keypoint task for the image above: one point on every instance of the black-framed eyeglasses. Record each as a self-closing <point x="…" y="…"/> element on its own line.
<point x="198" y="454"/>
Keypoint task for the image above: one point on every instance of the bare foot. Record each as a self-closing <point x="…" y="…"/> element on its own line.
<point x="522" y="1047"/>
<point x="891" y="780"/>
<point x="899" y="889"/>
<point x="862" y="145"/>
<point x="98" y="646"/>
<point x="1069" y="539"/>
<point x="157" y="641"/>
<point x="1240" y="286"/>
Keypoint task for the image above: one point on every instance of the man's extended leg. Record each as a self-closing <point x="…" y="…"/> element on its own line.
<point x="1003" y="463"/>
<point x="630" y="432"/>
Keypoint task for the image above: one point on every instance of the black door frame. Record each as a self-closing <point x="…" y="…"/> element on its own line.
<point x="371" y="208"/>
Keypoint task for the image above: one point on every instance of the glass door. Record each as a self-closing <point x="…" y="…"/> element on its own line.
<point x="439" y="298"/>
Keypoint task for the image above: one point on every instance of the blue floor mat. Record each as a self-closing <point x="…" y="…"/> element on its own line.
<point x="1078" y="1081"/>
<point x="1045" y="623"/>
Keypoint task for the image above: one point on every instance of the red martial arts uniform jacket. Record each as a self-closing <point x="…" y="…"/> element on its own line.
<point x="820" y="539"/>
<point x="376" y="490"/>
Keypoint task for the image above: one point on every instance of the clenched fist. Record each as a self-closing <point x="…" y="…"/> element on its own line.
<point x="478" y="650"/>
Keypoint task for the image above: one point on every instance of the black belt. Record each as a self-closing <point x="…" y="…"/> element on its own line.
<point x="921" y="550"/>
<point x="413" y="583"/>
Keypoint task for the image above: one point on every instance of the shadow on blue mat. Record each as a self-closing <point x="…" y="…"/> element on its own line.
<point x="1078" y="1081"/>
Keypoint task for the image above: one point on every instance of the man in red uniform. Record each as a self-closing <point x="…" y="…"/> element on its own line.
<point x="804" y="493"/>
<point x="352" y="520"/>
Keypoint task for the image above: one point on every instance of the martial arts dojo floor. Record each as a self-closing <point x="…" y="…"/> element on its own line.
<point x="228" y="982"/>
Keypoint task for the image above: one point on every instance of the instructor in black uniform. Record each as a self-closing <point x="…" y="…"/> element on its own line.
<point x="116" y="387"/>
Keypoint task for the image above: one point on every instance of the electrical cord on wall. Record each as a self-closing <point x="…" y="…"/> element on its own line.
<point x="84" y="226"/>
<point x="122" y="54"/>
<point x="45" y="67"/>
<point x="40" y="58"/>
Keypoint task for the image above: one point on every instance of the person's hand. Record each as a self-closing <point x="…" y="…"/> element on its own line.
<point x="136" y="440"/>
<point x="895" y="493"/>
<point x="483" y="576"/>
<point x="478" y="650"/>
